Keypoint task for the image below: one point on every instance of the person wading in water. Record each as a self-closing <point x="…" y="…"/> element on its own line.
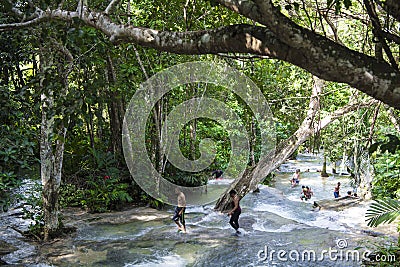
<point x="179" y="216"/>
<point x="235" y="212"/>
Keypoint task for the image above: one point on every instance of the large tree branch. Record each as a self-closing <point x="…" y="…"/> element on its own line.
<point x="328" y="119"/>
<point x="319" y="55"/>
<point x="323" y="52"/>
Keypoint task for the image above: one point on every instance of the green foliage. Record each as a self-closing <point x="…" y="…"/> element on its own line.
<point x="151" y="202"/>
<point x="186" y="178"/>
<point x="383" y="211"/>
<point x="18" y="154"/>
<point x="386" y="154"/>
<point x="8" y="180"/>
<point x="105" y="194"/>
<point x="19" y="132"/>
<point x="32" y="206"/>
<point x="103" y="189"/>
<point x="386" y="182"/>
<point x="71" y="196"/>
<point x="339" y="3"/>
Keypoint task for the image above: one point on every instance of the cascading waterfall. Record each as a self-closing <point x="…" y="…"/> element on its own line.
<point x="275" y="219"/>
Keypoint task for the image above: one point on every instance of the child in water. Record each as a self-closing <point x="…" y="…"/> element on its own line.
<point x="296" y="178"/>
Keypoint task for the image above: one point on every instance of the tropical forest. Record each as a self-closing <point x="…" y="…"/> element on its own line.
<point x="199" y="133"/>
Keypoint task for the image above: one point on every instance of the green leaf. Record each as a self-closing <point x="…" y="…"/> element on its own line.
<point x="347" y="3"/>
<point x="372" y="148"/>
<point x="383" y="211"/>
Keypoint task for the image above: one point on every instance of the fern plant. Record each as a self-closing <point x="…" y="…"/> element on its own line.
<point x="383" y="211"/>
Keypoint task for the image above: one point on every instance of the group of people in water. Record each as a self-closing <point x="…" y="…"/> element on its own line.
<point x="234" y="213"/>
<point x="306" y="191"/>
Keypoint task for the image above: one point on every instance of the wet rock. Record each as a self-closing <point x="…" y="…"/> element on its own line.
<point x="6" y="248"/>
<point x="75" y="216"/>
<point x="84" y="252"/>
<point x="337" y="203"/>
<point x="372" y="233"/>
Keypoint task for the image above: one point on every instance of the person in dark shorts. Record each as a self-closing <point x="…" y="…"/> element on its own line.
<point x="336" y="192"/>
<point x="179" y="215"/>
<point x="217" y="173"/>
<point x="235" y="212"/>
<point x="295" y="178"/>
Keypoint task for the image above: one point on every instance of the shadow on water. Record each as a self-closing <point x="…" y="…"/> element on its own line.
<point x="278" y="229"/>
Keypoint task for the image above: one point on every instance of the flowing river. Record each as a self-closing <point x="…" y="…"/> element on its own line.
<point x="278" y="229"/>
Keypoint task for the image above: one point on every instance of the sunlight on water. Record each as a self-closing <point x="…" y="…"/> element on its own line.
<point x="165" y="261"/>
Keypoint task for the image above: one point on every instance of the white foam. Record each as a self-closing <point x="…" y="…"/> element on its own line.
<point x="195" y="209"/>
<point x="164" y="261"/>
<point x="276" y="209"/>
<point x="220" y="181"/>
<point x="328" y="220"/>
<point x="283" y="229"/>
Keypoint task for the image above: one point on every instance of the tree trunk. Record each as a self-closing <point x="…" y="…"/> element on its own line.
<point x="115" y="110"/>
<point x="253" y="136"/>
<point x="270" y="162"/>
<point x="51" y="166"/>
<point x="323" y="171"/>
<point x="51" y="160"/>
<point x="49" y="182"/>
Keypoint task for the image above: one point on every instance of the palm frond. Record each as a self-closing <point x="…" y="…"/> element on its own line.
<point x="383" y="211"/>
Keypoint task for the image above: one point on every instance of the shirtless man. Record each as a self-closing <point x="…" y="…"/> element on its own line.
<point x="336" y="190"/>
<point x="179" y="215"/>
<point x="295" y="178"/>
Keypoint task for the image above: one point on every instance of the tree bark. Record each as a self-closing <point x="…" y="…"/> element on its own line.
<point x="323" y="171"/>
<point x="47" y="164"/>
<point x="115" y="109"/>
<point x="51" y="161"/>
